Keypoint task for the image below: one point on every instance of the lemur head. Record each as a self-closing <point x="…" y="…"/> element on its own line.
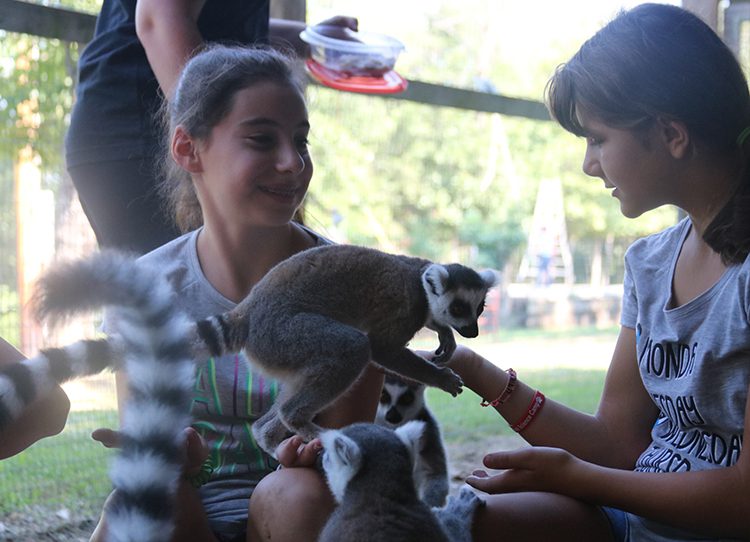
<point x="455" y="294"/>
<point x="366" y="449"/>
<point x="400" y="401"/>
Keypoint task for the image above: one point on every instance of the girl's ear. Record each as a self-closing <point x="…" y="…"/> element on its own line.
<point x="676" y="136"/>
<point x="185" y="152"/>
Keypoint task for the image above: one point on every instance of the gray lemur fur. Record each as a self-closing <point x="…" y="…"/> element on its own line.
<point x="403" y="401"/>
<point x="369" y="470"/>
<point x="316" y="320"/>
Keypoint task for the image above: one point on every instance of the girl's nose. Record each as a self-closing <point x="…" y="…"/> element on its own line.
<point x="590" y="164"/>
<point x="291" y="160"/>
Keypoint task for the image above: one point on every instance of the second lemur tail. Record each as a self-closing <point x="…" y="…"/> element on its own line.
<point x="220" y="334"/>
<point x="152" y="348"/>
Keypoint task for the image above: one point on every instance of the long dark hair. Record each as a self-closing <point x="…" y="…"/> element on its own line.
<point x="203" y="97"/>
<point x="655" y="61"/>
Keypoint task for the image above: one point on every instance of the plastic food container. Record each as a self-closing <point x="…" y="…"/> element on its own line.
<point x="357" y="54"/>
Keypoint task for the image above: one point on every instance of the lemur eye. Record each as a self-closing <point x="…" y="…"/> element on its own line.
<point x="459" y="309"/>
<point x="406" y="399"/>
<point x="385" y="397"/>
<point x="480" y="308"/>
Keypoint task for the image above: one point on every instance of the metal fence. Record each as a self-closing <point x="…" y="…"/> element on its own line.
<point x="63" y="481"/>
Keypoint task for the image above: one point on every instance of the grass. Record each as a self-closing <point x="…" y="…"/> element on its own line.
<point x="70" y="470"/>
<point x="67" y="471"/>
<point x="462" y="419"/>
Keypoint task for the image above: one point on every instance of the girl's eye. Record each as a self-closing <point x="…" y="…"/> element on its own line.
<point x="260" y="140"/>
<point x="302" y="144"/>
<point x="593" y="141"/>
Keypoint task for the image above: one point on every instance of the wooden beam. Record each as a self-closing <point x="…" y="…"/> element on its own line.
<point x="48" y="22"/>
<point x="440" y="95"/>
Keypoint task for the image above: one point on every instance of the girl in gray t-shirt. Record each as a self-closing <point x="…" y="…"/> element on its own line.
<point x="665" y="110"/>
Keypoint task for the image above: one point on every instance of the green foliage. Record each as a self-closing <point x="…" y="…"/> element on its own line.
<point x="36" y="90"/>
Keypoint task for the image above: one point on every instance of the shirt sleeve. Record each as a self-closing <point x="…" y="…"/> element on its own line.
<point x="629" y="311"/>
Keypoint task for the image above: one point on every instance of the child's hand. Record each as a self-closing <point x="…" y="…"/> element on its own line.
<point x="530" y="469"/>
<point x="196" y="450"/>
<point x="294" y="452"/>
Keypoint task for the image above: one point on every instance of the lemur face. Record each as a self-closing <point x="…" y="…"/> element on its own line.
<point x="456" y="295"/>
<point x="399" y="402"/>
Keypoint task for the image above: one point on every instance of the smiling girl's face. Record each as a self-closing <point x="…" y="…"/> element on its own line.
<point x="255" y="166"/>
<point x="636" y="165"/>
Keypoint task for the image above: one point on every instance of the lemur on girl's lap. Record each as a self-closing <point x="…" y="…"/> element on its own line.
<point x="369" y="469"/>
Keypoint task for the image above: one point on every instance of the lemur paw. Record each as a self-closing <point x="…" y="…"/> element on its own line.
<point x="450" y="381"/>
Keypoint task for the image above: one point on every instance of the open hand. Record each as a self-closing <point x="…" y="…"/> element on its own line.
<point x="530" y="469"/>
<point x="196" y="450"/>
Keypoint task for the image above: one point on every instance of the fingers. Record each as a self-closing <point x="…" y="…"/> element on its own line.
<point x="108" y="437"/>
<point x="294" y="452"/>
<point x="343" y="20"/>
<point x="196" y="451"/>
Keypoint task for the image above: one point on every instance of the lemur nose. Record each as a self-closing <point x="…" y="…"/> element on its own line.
<point x="393" y="416"/>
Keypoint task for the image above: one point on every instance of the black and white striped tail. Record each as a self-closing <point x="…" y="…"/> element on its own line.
<point x="21" y="383"/>
<point x="152" y="347"/>
<point x="219" y="335"/>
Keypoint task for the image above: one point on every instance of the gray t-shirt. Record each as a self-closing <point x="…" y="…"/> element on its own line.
<point x="228" y="395"/>
<point x="689" y="361"/>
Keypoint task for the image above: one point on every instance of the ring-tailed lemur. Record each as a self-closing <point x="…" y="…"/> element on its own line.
<point x="402" y="401"/>
<point x="316" y="320"/>
<point x="369" y="470"/>
<point x="153" y="350"/>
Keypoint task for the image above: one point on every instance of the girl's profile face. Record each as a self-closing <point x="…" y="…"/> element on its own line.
<point x="255" y="165"/>
<point x="637" y="167"/>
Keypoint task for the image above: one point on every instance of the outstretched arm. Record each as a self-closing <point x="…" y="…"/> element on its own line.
<point x="43" y="418"/>
<point x="168" y="31"/>
<point x="615" y="436"/>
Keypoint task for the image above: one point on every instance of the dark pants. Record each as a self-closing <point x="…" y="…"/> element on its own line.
<point x="122" y="204"/>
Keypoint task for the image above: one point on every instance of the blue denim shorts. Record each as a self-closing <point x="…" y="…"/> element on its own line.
<point x="618" y="522"/>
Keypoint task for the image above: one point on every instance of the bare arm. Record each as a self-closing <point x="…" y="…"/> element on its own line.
<point x="358" y="404"/>
<point x="615" y="436"/>
<point x="43" y="418"/>
<point x="168" y="30"/>
<point x="714" y="502"/>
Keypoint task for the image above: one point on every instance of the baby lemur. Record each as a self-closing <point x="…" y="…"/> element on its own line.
<point x="369" y="470"/>
<point x="402" y="401"/>
<point x="316" y="320"/>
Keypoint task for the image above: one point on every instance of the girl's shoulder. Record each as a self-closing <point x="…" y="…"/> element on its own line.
<point x="320" y="240"/>
<point x="661" y="245"/>
<point x="177" y="260"/>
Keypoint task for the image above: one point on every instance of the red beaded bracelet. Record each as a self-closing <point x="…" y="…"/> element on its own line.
<point x="509" y="387"/>
<point x="536" y="404"/>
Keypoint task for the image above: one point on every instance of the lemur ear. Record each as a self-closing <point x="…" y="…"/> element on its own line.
<point x="411" y="434"/>
<point x="341" y="460"/>
<point x="342" y="449"/>
<point x="434" y="279"/>
<point x="490" y="277"/>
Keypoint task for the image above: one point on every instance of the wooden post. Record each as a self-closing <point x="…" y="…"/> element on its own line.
<point x="708" y="10"/>
<point x="35" y="215"/>
<point x="294" y="10"/>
